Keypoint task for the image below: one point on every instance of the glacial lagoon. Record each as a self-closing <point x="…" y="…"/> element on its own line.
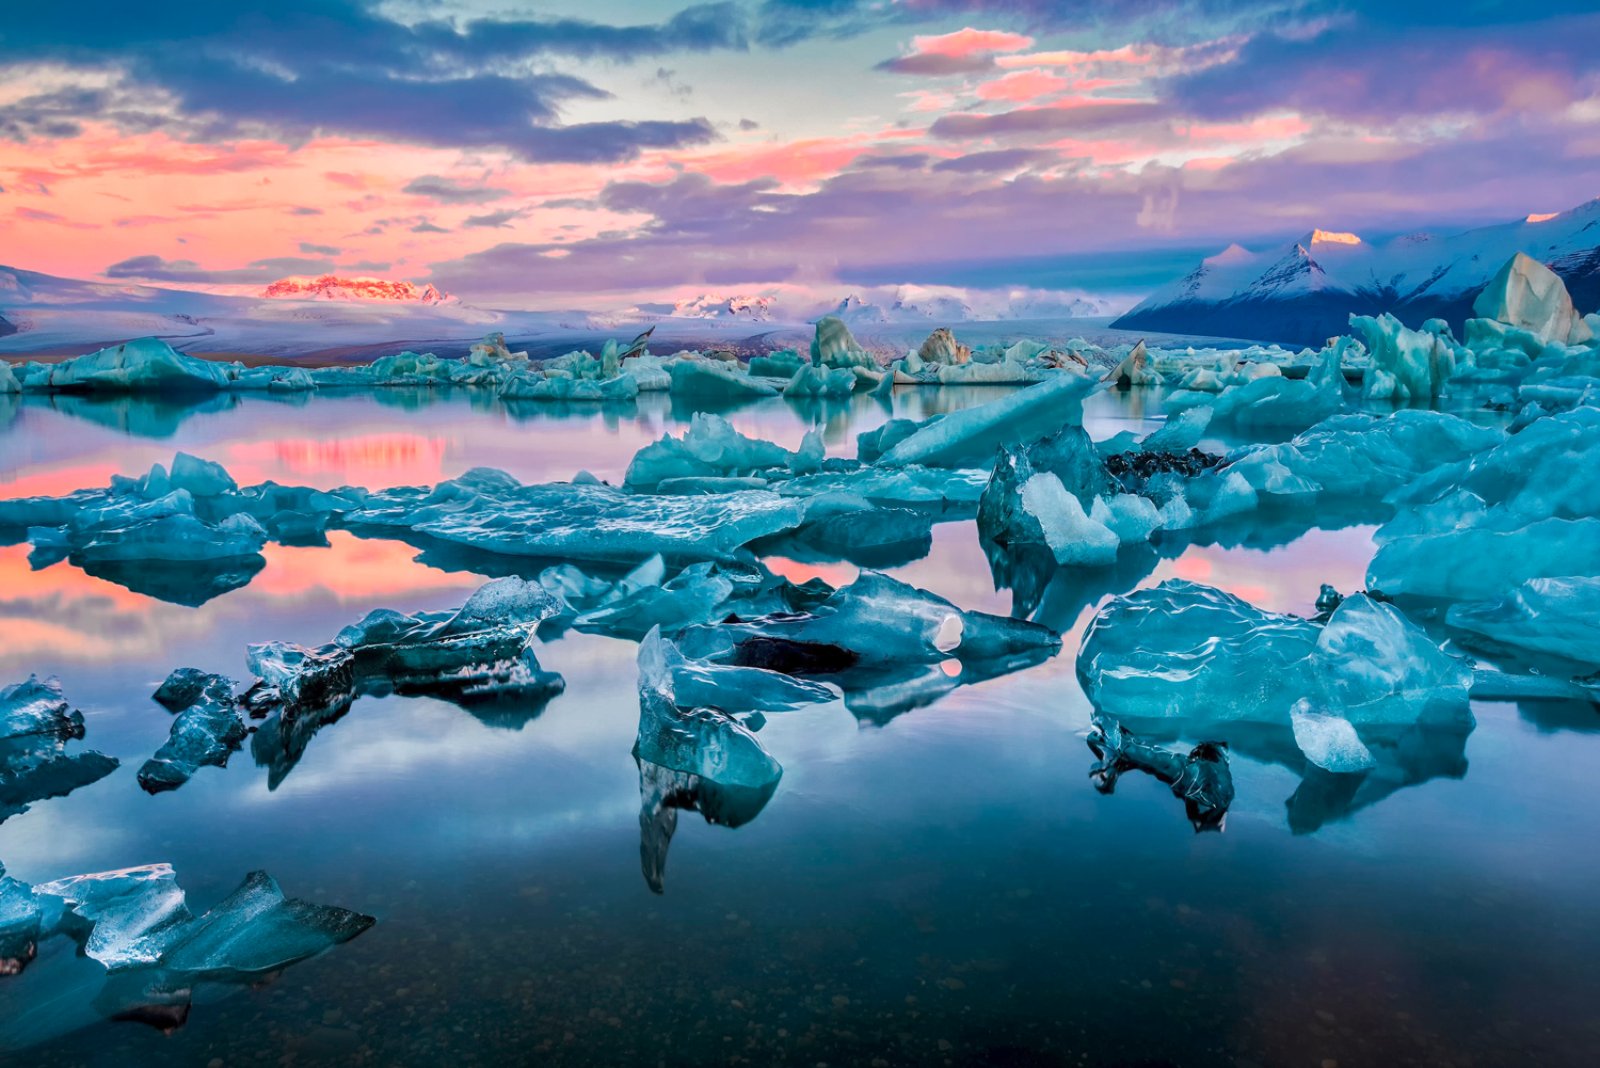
<point x="941" y="884"/>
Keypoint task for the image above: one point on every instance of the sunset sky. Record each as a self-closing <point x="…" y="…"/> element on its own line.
<point x="554" y="154"/>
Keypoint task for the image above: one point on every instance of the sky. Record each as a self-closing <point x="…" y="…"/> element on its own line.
<point x="596" y="153"/>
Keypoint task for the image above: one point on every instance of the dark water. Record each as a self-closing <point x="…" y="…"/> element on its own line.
<point x="946" y="888"/>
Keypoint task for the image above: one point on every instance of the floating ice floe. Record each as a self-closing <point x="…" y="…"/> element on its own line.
<point x="151" y="954"/>
<point x="692" y="757"/>
<point x="887" y="644"/>
<point x="970" y="436"/>
<point x="36" y="726"/>
<point x="478" y="656"/>
<point x="1182" y="649"/>
<point x="712" y="448"/>
<point x="1543" y="618"/>
<point x="206" y="730"/>
<point x="1523" y="508"/>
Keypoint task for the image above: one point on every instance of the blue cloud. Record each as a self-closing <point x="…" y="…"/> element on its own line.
<point x="300" y="68"/>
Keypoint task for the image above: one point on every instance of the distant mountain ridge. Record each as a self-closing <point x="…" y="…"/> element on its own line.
<point x="1305" y="293"/>
<point x="335" y="287"/>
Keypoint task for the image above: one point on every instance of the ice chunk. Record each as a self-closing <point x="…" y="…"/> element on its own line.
<point x="1530" y="296"/>
<point x="716" y="380"/>
<point x="1074" y="538"/>
<point x="876" y="620"/>
<point x="1134" y="370"/>
<point x="1181" y="432"/>
<point x="495" y="623"/>
<point x="1186" y="650"/>
<point x="36" y="725"/>
<point x="702" y="684"/>
<point x="1362" y="456"/>
<point x="1406" y="365"/>
<point x="299" y="677"/>
<point x="535" y="386"/>
<point x="1201" y="778"/>
<point x="490" y="511"/>
<point x="711" y="447"/>
<point x="698" y="758"/>
<point x="813" y="381"/>
<point x="36" y="708"/>
<point x="145" y="364"/>
<point x="1522" y="509"/>
<point x="204" y="734"/>
<point x="256" y="930"/>
<point x="833" y="345"/>
<point x="133" y="913"/>
<point x="1182" y="647"/>
<point x="971" y="436"/>
<point x="1330" y="742"/>
<point x="1542" y="618"/>
<point x="942" y="347"/>
<point x="1270" y="402"/>
<point x="1376" y="666"/>
<point x="692" y="596"/>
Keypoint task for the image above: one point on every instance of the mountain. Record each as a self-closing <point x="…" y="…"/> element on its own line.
<point x="44" y="314"/>
<point x="709" y="306"/>
<point x="333" y="287"/>
<point x="1306" y="292"/>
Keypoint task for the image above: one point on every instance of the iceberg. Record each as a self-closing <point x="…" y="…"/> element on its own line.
<point x="145" y="364"/>
<point x="34" y="708"/>
<point x="1543" y="618"/>
<point x="205" y="732"/>
<point x="1530" y="296"/>
<point x="716" y="380"/>
<point x="832" y="345"/>
<point x="490" y="511"/>
<point x="1200" y="778"/>
<point x="970" y="436"/>
<point x="1406" y="365"/>
<point x="712" y="448"/>
<point x="1134" y="370"/>
<point x="1180" y="647"/>
<point x="1521" y="508"/>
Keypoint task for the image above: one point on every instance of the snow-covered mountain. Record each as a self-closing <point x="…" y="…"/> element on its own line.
<point x="1306" y="292"/>
<point x="334" y="287"/>
<point x="751" y="309"/>
<point x="47" y="314"/>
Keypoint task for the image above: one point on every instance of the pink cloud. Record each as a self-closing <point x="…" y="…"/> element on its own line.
<point x="1023" y="85"/>
<point x="970" y="42"/>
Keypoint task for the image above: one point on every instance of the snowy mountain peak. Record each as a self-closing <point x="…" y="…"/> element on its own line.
<point x="334" y="287"/>
<point x="1541" y="216"/>
<point x="1329" y="237"/>
<point x="709" y="306"/>
<point x="1295" y="270"/>
<point x="1306" y="292"/>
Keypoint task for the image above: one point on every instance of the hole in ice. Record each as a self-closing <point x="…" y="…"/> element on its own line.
<point x="949" y="635"/>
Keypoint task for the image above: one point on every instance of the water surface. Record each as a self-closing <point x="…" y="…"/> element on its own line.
<point x="944" y="888"/>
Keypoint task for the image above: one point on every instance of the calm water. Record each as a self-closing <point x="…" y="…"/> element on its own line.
<point x="944" y="889"/>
